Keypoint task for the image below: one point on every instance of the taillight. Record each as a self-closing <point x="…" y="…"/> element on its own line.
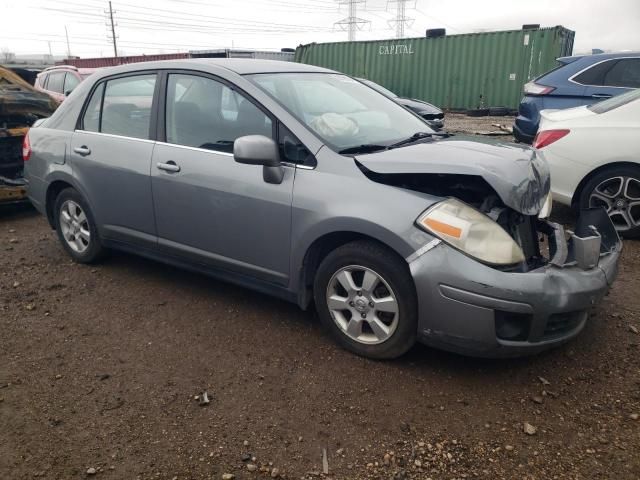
<point x="532" y="88"/>
<point x="26" y="148"/>
<point x="547" y="137"/>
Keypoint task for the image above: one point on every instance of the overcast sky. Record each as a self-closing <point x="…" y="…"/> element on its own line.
<point x="35" y="26"/>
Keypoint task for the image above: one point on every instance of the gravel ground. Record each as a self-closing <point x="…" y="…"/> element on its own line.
<point x="460" y="123"/>
<point x="102" y="370"/>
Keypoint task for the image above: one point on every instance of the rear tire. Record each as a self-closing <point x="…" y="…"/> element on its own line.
<point x="617" y="189"/>
<point x="76" y="227"/>
<point x="377" y="316"/>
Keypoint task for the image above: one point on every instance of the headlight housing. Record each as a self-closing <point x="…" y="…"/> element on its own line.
<point x="465" y="228"/>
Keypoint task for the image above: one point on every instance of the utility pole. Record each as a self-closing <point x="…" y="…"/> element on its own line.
<point x="66" y="33"/>
<point x="113" y="30"/>
<point x="352" y="23"/>
<point x="401" y="19"/>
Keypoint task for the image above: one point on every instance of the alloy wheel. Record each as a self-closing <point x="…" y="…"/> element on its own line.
<point x="74" y="226"/>
<point x="362" y="304"/>
<point x="620" y="196"/>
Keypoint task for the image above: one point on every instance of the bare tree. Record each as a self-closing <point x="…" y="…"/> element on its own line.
<point x="7" y="55"/>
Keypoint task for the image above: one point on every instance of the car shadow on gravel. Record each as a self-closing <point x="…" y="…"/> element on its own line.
<point x="16" y="211"/>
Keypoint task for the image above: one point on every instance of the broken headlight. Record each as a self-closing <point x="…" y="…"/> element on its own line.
<point x="471" y="231"/>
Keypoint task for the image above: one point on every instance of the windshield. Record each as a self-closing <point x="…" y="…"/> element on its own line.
<point x="379" y="88"/>
<point x="615" y="102"/>
<point x="343" y="112"/>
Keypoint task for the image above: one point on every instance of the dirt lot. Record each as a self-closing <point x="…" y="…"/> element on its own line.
<point x="100" y="366"/>
<point x="460" y="123"/>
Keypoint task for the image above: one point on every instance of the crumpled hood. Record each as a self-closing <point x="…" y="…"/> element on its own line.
<point x="519" y="177"/>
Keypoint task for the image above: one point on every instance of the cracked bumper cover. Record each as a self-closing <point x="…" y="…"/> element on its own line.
<point x="461" y="301"/>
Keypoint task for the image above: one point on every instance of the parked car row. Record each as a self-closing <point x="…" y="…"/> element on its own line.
<point x="307" y="184"/>
<point x="578" y="80"/>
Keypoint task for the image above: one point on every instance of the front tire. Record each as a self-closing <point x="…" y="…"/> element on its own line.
<point x="366" y="298"/>
<point x="617" y="189"/>
<point x="76" y="227"/>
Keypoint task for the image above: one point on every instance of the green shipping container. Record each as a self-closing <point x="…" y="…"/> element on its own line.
<point x="455" y="71"/>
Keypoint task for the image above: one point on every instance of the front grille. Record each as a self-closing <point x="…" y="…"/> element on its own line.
<point x="560" y="324"/>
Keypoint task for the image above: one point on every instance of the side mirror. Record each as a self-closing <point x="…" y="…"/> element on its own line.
<point x="260" y="150"/>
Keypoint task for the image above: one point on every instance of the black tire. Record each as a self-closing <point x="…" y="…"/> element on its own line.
<point x="394" y="272"/>
<point x="606" y="179"/>
<point x="94" y="250"/>
<point x="498" y="111"/>
<point x="477" y="112"/>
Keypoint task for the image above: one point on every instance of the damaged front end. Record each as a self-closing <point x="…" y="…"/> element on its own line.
<point x="509" y="184"/>
<point x="472" y="305"/>
<point x="20" y="106"/>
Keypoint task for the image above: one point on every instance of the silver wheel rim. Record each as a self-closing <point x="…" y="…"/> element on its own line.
<point x="362" y="305"/>
<point x="620" y="196"/>
<point x="74" y="226"/>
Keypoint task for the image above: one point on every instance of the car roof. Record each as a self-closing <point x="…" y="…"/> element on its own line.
<point x="596" y="57"/>
<point x="240" y="66"/>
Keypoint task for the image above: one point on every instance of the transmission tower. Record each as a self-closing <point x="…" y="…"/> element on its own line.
<point x="352" y="22"/>
<point x="401" y="21"/>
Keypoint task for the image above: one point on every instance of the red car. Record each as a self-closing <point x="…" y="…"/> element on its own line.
<point x="59" y="81"/>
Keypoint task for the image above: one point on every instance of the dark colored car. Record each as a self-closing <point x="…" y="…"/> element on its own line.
<point x="578" y="80"/>
<point x="432" y="114"/>
<point x="20" y="106"/>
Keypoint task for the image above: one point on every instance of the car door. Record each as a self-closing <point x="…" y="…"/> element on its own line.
<point x="609" y="78"/>
<point x="111" y="156"/>
<point x="208" y="208"/>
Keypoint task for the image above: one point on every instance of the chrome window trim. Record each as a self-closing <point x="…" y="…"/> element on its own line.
<point x="571" y="78"/>
<point x="146" y="140"/>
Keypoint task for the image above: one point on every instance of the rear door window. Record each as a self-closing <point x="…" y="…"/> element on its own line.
<point x="625" y="73"/>
<point x="91" y="119"/>
<point x="56" y="82"/>
<point x="126" y="109"/>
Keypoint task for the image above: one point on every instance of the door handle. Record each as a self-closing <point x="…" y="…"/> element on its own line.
<point x="600" y="95"/>
<point x="170" y="166"/>
<point x="83" y="150"/>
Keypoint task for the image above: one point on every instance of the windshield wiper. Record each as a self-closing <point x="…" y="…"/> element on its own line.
<point x="413" y="138"/>
<point x="365" y="148"/>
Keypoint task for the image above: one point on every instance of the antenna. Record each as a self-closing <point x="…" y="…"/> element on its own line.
<point x="351" y="23"/>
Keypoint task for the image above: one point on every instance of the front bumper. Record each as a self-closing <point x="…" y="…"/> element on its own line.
<point x="470" y="308"/>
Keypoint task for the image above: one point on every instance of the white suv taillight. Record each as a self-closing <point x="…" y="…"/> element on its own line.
<point x="532" y="88"/>
<point x="26" y="148"/>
